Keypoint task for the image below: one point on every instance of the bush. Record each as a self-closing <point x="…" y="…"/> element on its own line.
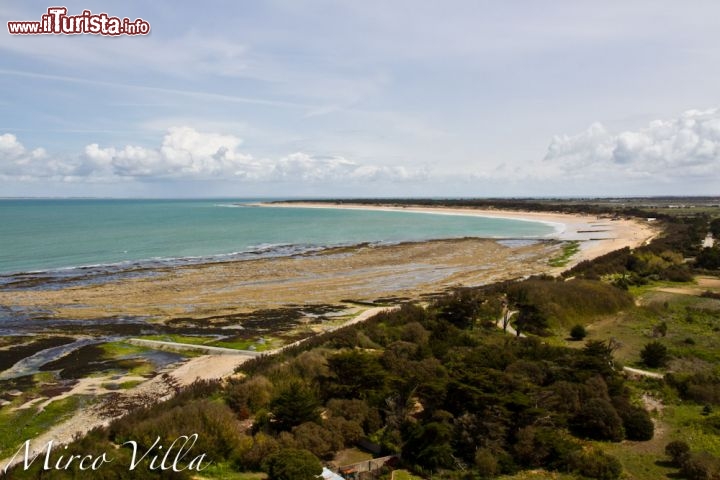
<point x="655" y="355"/>
<point x="700" y="466"/>
<point x="292" y="464"/>
<point x="578" y="332"/>
<point x="638" y="425"/>
<point x="486" y="463"/>
<point x="596" y="464"/>
<point x="677" y="450"/>
<point x="598" y="420"/>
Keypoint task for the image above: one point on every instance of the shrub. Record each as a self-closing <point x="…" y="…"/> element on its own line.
<point x="598" y="420"/>
<point x="655" y="355"/>
<point x="677" y="450"/>
<point x="596" y="464"/>
<point x="578" y="332"/>
<point x="700" y="466"/>
<point x="486" y="463"/>
<point x="292" y="464"/>
<point x="638" y="425"/>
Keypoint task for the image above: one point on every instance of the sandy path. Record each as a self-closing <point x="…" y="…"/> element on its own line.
<point x="206" y="367"/>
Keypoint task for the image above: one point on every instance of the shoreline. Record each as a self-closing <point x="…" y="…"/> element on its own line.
<point x="597" y="235"/>
<point x="227" y="289"/>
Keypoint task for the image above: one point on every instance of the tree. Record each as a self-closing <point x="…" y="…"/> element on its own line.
<point x="578" y="332"/>
<point x="638" y="425"/>
<point x="598" y="420"/>
<point x="461" y="308"/>
<point x="316" y="439"/>
<point x="708" y="258"/>
<point x="655" y="355"/>
<point x="355" y="374"/>
<point x="295" y="404"/>
<point x="486" y="463"/>
<point x="293" y="464"/>
<point x="430" y="446"/>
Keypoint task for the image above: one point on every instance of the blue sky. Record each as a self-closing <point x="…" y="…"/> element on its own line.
<point x="330" y="98"/>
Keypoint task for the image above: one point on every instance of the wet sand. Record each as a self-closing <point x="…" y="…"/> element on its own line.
<point x="223" y="293"/>
<point x="598" y="236"/>
<point x="361" y="273"/>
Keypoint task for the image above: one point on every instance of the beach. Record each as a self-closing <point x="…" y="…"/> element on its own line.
<point x="598" y="236"/>
<point x="292" y="297"/>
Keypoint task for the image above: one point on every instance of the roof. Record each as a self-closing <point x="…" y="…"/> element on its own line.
<point x="328" y="474"/>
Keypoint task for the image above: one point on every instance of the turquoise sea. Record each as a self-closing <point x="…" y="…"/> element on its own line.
<point x="54" y="235"/>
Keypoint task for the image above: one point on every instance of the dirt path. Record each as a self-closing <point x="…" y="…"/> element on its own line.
<point x="508" y="328"/>
<point x="643" y="373"/>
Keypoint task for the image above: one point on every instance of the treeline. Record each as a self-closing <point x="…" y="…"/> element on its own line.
<point x="638" y="207"/>
<point x="447" y="394"/>
<point x="664" y="258"/>
<point x="432" y="384"/>
<point x="682" y="234"/>
<point x="442" y="386"/>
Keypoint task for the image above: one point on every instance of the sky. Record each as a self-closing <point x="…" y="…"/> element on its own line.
<point x="328" y="98"/>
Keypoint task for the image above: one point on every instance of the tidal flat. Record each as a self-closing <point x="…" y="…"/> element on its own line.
<point x="69" y="344"/>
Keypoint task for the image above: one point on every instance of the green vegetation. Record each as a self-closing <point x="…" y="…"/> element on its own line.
<point x="569" y="249"/>
<point x="121" y="349"/>
<point x="18" y="425"/>
<point x="258" y="344"/>
<point x="188" y="339"/>
<point x="459" y="398"/>
<point x="578" y="332"/>
<point x="655" y="355"/>
<point x="404" y="475"/>
<point x="293" y="464"/>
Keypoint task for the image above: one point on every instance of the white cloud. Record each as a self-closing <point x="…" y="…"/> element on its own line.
<point x="16" y="160"/>
<point x="188" y="154"/>
<point x="687" y="146"/>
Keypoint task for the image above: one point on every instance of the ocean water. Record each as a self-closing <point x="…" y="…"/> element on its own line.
<point x="55" y="235"/>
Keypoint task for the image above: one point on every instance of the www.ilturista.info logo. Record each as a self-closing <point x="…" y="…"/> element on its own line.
<point x="57" y="22"/>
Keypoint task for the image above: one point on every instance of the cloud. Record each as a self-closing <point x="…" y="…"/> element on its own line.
<point x="16" y="160"/>
<point x="187" y="154"/>
<point x="687" y="146"/>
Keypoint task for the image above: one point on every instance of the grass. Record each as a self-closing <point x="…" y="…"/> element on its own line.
<point x="226" y="471"/>
<point x="187" y="339"/>
<point x="246" y="344"/>
<point x="20" y="425"/>
<point x="145" y="368"/>
<point x="350" y="456"/>
<point x="639" y="465"/>
<point x="568" y="250"/>
<point x="121" y="349"/>
<point x="692" y="323"/>
<point x="404" y="475"/>
<point x="538" y="475"/>
<point x="121" y="386"/>
<point x="686" y="316"/>
<point x="687" y="424"/>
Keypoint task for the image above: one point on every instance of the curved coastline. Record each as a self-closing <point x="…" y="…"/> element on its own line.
<point x="596" y="236"/>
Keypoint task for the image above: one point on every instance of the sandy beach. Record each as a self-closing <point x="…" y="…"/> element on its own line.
<point x="343" y="277"/>
<point x="598" y="236"/>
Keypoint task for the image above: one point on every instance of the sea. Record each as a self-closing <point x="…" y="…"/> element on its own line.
<point x="57" y="236"/>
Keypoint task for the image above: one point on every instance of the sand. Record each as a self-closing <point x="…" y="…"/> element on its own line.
<point x="360" y="273"/>
<point x="598" y="236"/>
